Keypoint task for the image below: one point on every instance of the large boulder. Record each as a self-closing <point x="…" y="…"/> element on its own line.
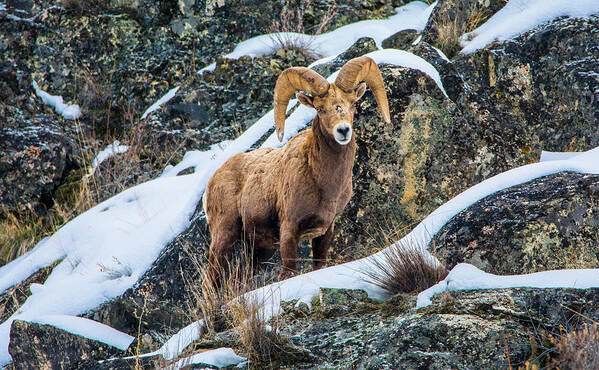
<point x="37" y="346"/>
<point x="546" y="224"/>
<point x="544" y="78"/>
<point x="437" y="147"/>
<point x="460" y="330"/>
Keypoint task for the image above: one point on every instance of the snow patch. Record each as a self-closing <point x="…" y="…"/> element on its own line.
<point x="405" y="59"/>
<point x="220" y="357"/>
<point x="165" y="98"/>
<point x="413" y="15"/>
<point x="519" y="16"/>
<point x="178" y="342"/>
<point x="104" y="251"/>
<point x="468" y="277"/>
<point x="553" y="156"/>
<point x="88" y="329"/>
<point x="109" y="151"/>
<point x="442" y="54"/>
<point x="70" y="112"/>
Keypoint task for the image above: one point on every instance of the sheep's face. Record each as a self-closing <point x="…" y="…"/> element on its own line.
<point x="336" y="111"/>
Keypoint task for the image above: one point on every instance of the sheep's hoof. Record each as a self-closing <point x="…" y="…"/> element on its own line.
<point x="319" y="266"/>
<point x="286" y="274"/>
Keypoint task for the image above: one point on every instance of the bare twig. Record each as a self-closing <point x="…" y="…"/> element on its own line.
<point x="31" y="20"/>
<point x="288" y="32"/>
<point x="507" y="353"/>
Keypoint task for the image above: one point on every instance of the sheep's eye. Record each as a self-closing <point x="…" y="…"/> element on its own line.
<point x="339" y="109"/>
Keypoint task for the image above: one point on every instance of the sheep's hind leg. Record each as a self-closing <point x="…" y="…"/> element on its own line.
<point x="320" y="248"/>
<point x="289" y="241"/>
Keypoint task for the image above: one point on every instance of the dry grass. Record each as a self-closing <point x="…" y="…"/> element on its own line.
<point x="405" y="269"/>
<point x="292" y="21"/>
<point x="224" y="305"/>
<point x="86" y="187"/>
<point x="18" y="233"/>
<point x="448" y="36"/>
<point x="579" y="349"/>
<point x="449" y="30"/>
<point x="261" y="340"/>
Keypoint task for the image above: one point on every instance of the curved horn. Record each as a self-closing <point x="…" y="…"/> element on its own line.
<point x="292" y="80"/>
<point x="365" y="69"/>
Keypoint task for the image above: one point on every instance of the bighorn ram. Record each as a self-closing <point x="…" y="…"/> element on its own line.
<point x="276" y="197"/>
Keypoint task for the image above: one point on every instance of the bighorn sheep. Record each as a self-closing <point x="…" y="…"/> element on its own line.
<point x="280" y="196"/>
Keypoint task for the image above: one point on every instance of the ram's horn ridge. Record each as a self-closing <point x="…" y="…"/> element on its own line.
<point x="365" y="69"/>
<point x="292" y="80"/>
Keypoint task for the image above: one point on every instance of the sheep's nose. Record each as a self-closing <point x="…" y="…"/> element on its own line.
<point x="342" y="133"/>
<point x="343" y="130"/>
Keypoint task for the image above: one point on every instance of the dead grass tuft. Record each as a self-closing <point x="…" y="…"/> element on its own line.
<point x="18" y="233"/>
<point x="579" y="349"/>
<point x="261" y="340"/>
<point x="144" y="159"/>
<point x="405" y="269"/>
<point x="85" y="187"/>
<point x="449" y="30"/>
<point x="225" y="305"/>
<point x="291" y="22"/>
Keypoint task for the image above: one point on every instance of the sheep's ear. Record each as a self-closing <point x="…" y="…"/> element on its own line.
<point x="305" y="99"/>
<point x="360" y="90"/>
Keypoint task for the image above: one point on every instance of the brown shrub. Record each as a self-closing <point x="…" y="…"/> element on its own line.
<point x="85" y="187"/>
<point x="579" y="349"/>
<point x="449" y="30"/>
<point x="225" y="305"/>
<point x="292" y="20"/>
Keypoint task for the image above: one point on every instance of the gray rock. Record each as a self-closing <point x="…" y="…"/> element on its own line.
<point x="36" y="346"/>
<point x="33" y="162"/>
<point x="400" y="40"/>
<point x="460" y="330"/>
<point x="549" y="223"/>
<point x="345" y="297"/>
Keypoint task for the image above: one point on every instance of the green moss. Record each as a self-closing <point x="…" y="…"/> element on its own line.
<point x="394" y="306"/>
<point x="315" y="301"/>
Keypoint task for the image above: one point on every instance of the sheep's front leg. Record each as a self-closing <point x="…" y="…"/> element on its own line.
<point x="320" y="248"/>
<point x="221" y="249"/>
<point x="289" y="241"/>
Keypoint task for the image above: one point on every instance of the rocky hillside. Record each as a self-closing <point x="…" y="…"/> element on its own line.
<point x="504" y="104"/>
